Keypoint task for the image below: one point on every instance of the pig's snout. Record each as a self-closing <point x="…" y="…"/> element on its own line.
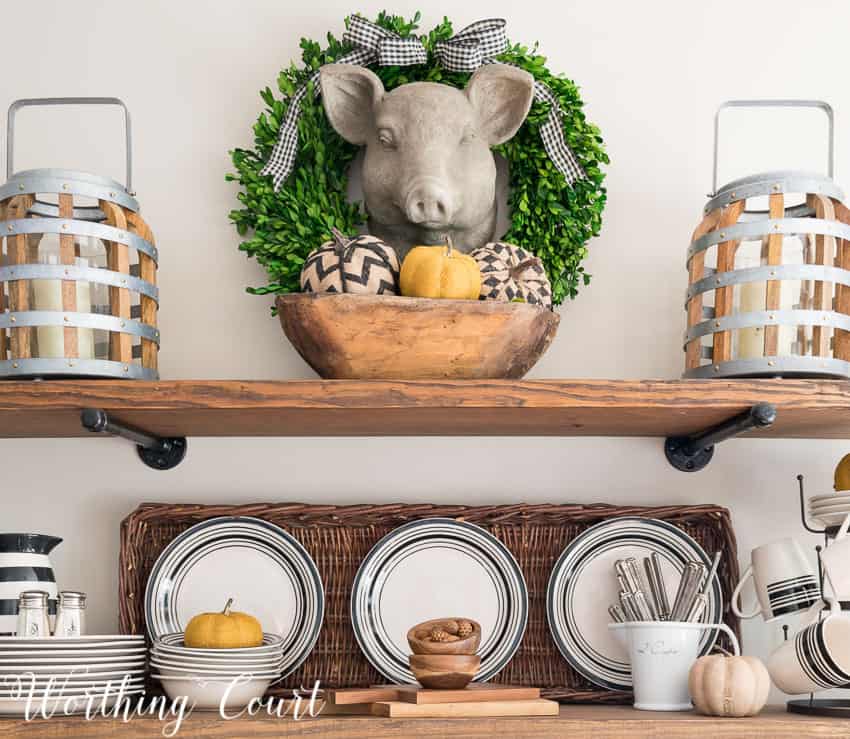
<point x="429" y="203"/>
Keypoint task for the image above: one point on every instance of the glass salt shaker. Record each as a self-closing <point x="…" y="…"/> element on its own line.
<point x="71" y="616"/>
<point x="32" y="614"/>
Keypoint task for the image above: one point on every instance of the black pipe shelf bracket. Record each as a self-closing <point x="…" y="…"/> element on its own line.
<point x="157" y="452"/>
<point x="693" y="453"/>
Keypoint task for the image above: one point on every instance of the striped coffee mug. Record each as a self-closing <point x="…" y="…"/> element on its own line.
<point x="24" y="565"/>
<point x="784" y="580"/>
<point x="818" y="657"/>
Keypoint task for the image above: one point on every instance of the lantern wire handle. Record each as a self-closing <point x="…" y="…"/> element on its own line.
<point x="819" y="104"/>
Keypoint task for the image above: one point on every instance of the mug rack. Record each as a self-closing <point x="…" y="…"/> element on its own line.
<point x="811" y="706"/>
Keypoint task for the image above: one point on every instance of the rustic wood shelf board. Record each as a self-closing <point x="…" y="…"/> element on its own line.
<point x="806" y="408"/>
<point x="599" y="722"/>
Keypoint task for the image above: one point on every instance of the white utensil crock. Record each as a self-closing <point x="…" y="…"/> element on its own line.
<point x="661" y="654"/>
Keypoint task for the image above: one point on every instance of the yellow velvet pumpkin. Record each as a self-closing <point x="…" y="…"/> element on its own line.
<point x="439" y="272"/>
<point x="225" y="630"/>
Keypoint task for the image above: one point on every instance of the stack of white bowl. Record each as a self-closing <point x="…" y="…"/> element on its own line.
<point x="66" y="674"/>
<point x="206" y="676"/>
<point x="831" y="509"/>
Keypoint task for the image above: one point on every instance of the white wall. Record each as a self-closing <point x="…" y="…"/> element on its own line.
<point x="651" y="74"/>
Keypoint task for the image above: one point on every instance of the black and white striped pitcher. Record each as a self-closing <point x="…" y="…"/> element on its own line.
<point x="24" y="565"/>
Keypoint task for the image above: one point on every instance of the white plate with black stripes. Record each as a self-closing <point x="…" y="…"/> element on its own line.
<point x="266" y="571"/>
<point x="434" y="568"/>
<point x="583" y="584"/>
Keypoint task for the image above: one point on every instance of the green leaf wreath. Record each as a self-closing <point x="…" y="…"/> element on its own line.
<point x="549" y="217"/>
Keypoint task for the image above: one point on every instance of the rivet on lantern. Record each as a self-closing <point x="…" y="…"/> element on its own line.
<point x="722" y="235"/>
<point x="771" y="363"/>
<point x="771" y="318"/>
<point x="65" y="318"/>
<point x="717" y="324"/>
<point x="64" y="186"/>
<point x="21" y="186"/>
<point x="64" y="226"/>
<point x="126" y="368"/>
<point x="15" y="365"/>
<point x="12" y="319"/>
<point x="777" y="187"/>
<point x="11" y="227"/>
<point x="775" y="226"/>
<point x="122" y="324"/>
<point x="717" y="368"/>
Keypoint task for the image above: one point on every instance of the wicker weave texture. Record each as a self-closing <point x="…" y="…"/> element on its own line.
<point x="339" y="537"/>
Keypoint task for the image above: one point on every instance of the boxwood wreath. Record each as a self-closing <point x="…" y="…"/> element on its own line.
<point x="549" y="217"/>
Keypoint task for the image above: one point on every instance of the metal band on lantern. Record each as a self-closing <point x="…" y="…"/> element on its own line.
<point x="769" y="288"/>
<point x="78" y="277"/>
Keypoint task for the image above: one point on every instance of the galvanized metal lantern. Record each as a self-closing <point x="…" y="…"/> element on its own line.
<point x="769" y="289"/>
<point x="78" y="275"/>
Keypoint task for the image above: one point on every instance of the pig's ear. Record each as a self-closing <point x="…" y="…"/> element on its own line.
<point x="349" y="94"/>
<point x="501" y="96"/>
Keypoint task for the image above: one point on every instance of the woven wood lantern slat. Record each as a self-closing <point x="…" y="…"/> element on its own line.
<point x="78" y="292"/>
<point x="769" y="287"/>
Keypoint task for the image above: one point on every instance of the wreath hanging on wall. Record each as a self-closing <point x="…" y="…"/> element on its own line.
<point x="284" y="221"/>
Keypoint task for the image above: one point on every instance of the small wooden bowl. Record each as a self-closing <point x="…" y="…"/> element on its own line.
<point x="468" y="645"/>
<point x="444" y="671"/>
<point x="388" y="337"/>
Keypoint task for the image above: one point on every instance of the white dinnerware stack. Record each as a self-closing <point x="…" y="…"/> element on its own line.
<point x="214" y="678"/>
<point x="831" y="509"/>
<point x="66" y="674"/>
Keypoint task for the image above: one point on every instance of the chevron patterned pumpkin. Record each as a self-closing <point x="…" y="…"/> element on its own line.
<point x="363" y="265"/>
<point x="509" y="272"/>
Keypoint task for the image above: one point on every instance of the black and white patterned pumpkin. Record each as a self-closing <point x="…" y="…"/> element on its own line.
<point x="363" y="265"/>
<point x="509" y="272"/>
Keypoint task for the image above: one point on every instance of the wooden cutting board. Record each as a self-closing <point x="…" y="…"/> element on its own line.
<point x="400" y="709"/>
<point x="475" y="693"/>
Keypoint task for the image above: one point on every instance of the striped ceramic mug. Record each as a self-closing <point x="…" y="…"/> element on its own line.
<point x="24" y="565"/>
<point x="784" y="580"/>
<point x="818" y="657"/>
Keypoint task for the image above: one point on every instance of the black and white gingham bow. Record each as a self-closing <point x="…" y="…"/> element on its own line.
<point x="475" y="45"/>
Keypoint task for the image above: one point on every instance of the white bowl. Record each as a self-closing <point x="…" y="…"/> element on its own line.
<point x="207" y="693"/>
<point x="188" y="672"/>
<point x="230" y="659"/>
<point x="222" y="662"/>
<point x="174" y="643"/>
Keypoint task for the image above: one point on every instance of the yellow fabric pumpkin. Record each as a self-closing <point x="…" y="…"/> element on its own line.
<point x="728" y="686"/>
<point x="439" y="272"/>
<point x="225" y="630"/>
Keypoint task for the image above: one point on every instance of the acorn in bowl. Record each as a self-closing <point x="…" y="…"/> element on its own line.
<point x="444" y="652"/>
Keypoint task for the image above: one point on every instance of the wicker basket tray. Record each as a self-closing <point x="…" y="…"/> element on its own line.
<point x="339" y="537"/>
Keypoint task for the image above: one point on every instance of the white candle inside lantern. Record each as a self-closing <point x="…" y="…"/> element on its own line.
<point x="47" y="295"/>
<point x="751" y="340"/>
<point x="85" y="336"/>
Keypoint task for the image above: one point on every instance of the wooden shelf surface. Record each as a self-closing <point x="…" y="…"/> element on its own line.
<point x="576" y="722"/>
<point x="806" y="408"/>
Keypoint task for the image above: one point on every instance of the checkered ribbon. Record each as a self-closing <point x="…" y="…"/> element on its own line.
<point x="475" y="45"/>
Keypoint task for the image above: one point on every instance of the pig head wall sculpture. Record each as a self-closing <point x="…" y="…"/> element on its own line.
<point x="428" y="171"/>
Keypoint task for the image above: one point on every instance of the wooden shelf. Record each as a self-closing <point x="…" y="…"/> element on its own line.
<point x="599" y="722"/>
<point x="806" y="408"/>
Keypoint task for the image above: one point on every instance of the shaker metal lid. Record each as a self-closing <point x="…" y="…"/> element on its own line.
<point x="72" y="599"/>
<point x="33" y="599"/>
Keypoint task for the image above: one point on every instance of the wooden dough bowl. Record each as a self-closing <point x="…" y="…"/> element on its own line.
<point x="371" y="337"/>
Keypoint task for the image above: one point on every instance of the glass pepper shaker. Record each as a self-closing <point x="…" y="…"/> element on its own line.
<point x="32" y="614"/>
<point x="71" y="616"/>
